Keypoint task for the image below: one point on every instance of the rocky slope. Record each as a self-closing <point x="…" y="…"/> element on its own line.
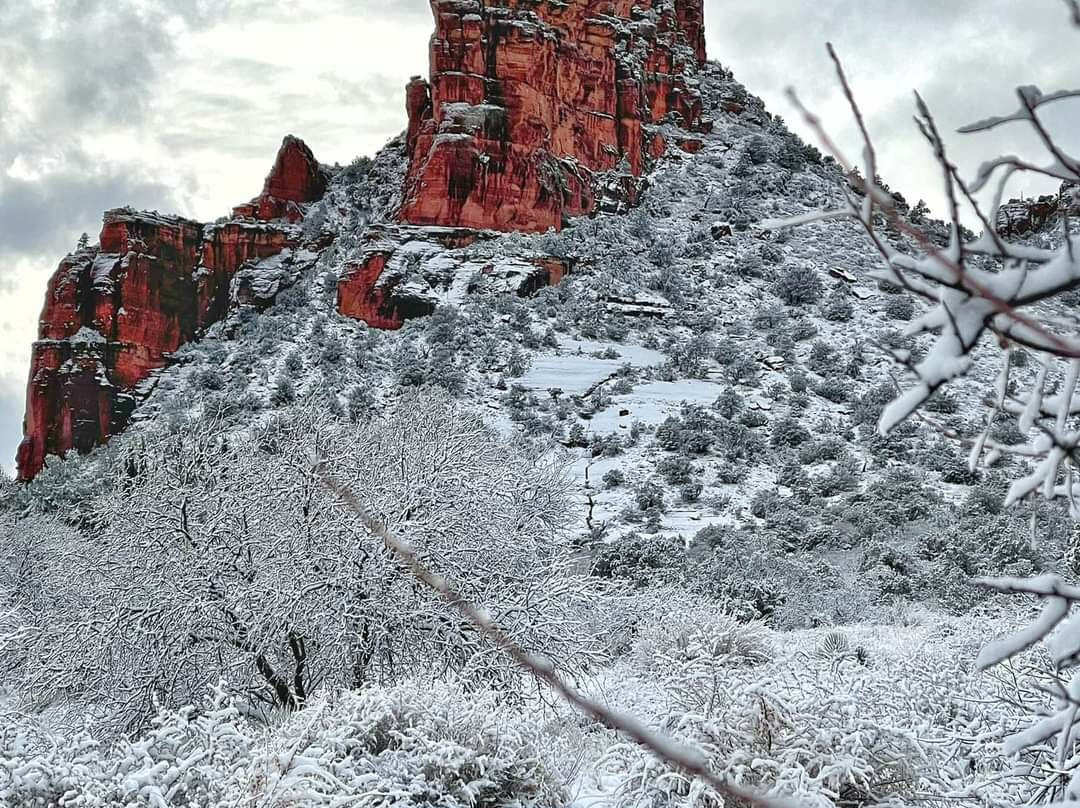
<point x="534" y="112"/>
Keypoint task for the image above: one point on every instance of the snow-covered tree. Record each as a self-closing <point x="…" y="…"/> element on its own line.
<point x="230" y="560"/>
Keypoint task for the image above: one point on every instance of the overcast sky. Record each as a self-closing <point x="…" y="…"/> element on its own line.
<point x="180" y="105"/>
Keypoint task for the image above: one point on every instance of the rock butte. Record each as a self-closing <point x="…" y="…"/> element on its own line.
<point x="113" y="313"/>
<point x="536" y="111"/>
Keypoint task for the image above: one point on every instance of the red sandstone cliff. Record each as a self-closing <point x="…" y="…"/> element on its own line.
<point x="530" y="101"/>
<point x="113" y="313"/>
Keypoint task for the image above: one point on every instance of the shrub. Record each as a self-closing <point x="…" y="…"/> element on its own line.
<point x="900" y="307"/>
<point x="838" y="307"/>
<point x="788" y="431"/>
<point x="744" y="370"/>
<point x="729" y="404"/>
<point x="869" y="406"/>
<point x="822" y="450"/>
<point x="905" y="496"/>
<point x="613" y="479"/>
<point x="642" y="560"/>
<point x="691" y="492"/>
<point x="284" y="392"/>
<point x="799" y="286"/>
<point x="650" y="497"/>
<point x="823" y="741"/>
<point x="759" y="149"/>
<point x="428" y="742"/>
<point x="835" y="390"/>
<point x="691" y="638"/>
<point x="822" y="357"/>
<point x="676" y="469"/>
<point x="803" y="329"/>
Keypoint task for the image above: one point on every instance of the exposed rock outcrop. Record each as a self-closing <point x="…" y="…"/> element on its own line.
<point x="115" y="312"/>
<point x="533" y="105"/>
<point x="1018" y="218"/>
<point x="406" y="272"/>
<point x="295" y="180"/>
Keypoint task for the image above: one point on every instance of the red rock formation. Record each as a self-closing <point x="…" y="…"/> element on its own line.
<point x="361" y="298"/>
<point x="296" y="179"/>
<point x="225" y="249"/>
<point x="531" y="100"/>
<point x="113" y="314"/>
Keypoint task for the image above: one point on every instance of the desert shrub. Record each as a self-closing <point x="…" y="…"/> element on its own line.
<point x="842" y="477"/>
<point x="614" y="479"/>
<point x="770" y="318"/>
<point x="821" y="450"/>
<point x="284" y="391"/>
<point x="744" y="370"/>
<point x="828" y="737"/>
<point x="735" y="441"/>
<point x="729" y="404"/>
<point x="643" y="560"/>
<point x="727" y="351"/>
<point x="822" y="357"/>
<point x="803" y="328"/>
<point x="869" y="405"/>
<point x="772" y="253"/>
<point x="787" y="431"/>
<point x="904" y="496"/>
<point x="427" y="742"/>
<point x="650" y="497"/>
<point x="838" y="307"/>
<point x="754" y="418"/>
<point x="834" y="389"/>
<point x="731" y="473"/>
<point x="760" y="150"/>
<point x="799" y="286"/>
<point x="691" y="491"/>
<point x="799" y="381"/>
<point x="676" y="469"/>
<point x="688" y="639"/>
<point x="691" y="432"/>
<point x="900" y="307"/>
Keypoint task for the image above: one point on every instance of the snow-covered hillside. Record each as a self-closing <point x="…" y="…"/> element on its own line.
<point x="796" y="592"/>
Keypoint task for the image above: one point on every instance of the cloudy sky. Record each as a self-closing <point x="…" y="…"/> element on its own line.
<point x="179" y="105"/>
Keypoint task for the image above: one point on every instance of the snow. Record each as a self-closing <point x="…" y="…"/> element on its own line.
<point x="653" y="403"/>
<point x="575" y="372"/>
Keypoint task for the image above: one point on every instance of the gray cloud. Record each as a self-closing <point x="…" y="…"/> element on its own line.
<point x="45" y="216"/>
<point x="11" y="407"/>
<point x="964" y="56"/>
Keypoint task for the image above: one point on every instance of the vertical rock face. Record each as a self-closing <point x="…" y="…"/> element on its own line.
<point x="113" y="313"/>
<point x="532" y="102"/>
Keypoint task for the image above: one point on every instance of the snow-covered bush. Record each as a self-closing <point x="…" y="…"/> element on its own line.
<point x="799" y="286"/>
<point x="831" y="719"/>
<point x="416" y="742"/>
